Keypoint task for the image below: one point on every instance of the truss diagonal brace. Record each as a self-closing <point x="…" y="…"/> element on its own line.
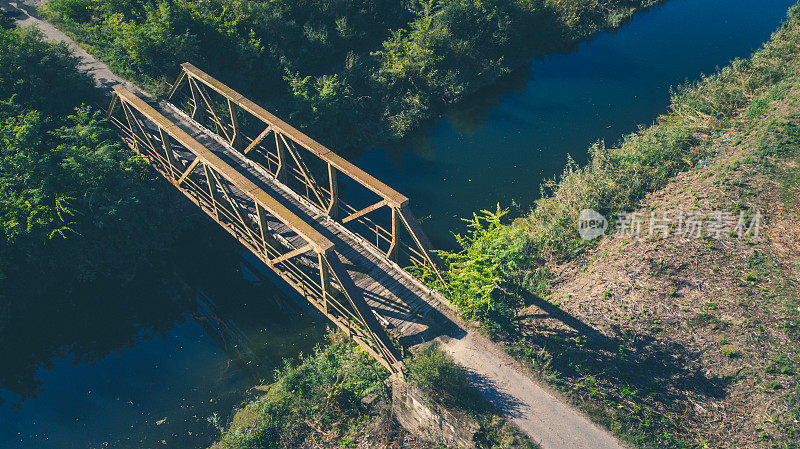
<point x="188" y="171"/>
<point x="258" y="140"/>
<point x="290" y="254"/>
<point x="364" y="211"/>
<point x="375" y="330"/>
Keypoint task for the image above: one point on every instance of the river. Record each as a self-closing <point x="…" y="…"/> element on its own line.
<point x="148" y="366"/>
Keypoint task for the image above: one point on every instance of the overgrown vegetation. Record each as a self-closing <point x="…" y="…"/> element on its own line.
<point x="448" y="384"/>
<point x="73" y="205"/>
<point x="317" y="401"/>
<point x="480" y="280"/>
<point x="609" y="350"/>
<point x="338" y="396"/>
<point x="339" y="70"/>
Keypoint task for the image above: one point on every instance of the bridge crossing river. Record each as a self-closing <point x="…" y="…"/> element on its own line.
<point x="334" y="233"/>
<point x="569" y="101"/>
<point x="285" y="197"/>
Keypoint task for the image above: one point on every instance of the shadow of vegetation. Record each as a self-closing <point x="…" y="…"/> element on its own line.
<point x="554" y="312"/>
<point x="497" y="398"/>
<point x="85" y="325"/>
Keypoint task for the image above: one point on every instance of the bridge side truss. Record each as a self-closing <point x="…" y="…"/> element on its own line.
<point x="255" y="219"/>
<point x="311" y="170"/>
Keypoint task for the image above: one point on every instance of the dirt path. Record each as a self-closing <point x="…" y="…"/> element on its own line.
<point x="538" y="411"/>
<point x="25" y="14"/>
<point x="534" y="408"/>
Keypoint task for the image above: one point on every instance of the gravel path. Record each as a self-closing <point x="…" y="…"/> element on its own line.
<point x="25" y="15"/>
<point x="535" y="408"/>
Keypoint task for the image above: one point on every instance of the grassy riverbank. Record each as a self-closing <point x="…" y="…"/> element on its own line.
<point x="668" y="341"/>
<point x="348" y="74"/>
<point x="338" y="397"/>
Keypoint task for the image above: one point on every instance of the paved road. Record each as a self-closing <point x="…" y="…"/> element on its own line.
<point x="537" y="410"/>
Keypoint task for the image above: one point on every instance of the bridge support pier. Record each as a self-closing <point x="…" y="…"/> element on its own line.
<point x="424" y="417"/>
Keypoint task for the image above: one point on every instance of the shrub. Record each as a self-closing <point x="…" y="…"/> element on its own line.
<point x="73" y="204"/>
<point x="446" y="382"/>
<point x="319" y="398"/>
<point x="477" y="278"/>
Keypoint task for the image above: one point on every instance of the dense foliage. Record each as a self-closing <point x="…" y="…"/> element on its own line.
<point x="73" y="205"/>
<point x="318" y="403"/>
<point x="342" y="70"/>
<point x="481" y="278"/>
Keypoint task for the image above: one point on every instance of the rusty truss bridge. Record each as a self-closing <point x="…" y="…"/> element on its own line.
<point x="334" y="233"/>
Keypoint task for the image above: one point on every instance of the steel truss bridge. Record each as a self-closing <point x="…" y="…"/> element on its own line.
<point x="335" y="234"/>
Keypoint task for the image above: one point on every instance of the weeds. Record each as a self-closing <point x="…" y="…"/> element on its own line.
<point x="447" y="383"/>
<point x="319" y="398"/>
<point x="607" y="377"/>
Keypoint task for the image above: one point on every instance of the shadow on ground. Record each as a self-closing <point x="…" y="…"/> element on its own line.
<point x="620" y="366"/>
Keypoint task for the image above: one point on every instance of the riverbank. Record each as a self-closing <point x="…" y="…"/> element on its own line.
<point x="667" y="341"/>
<point x="339" y="396"/>
<point x="75" y="208"/>
<point x="348" y="76"/>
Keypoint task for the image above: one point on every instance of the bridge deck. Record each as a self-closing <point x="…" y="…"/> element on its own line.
<point x="400" y="302"/>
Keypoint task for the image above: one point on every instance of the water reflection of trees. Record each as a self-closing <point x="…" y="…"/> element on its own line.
<point x="198" y="278"/>
<point x="87" y="323"/>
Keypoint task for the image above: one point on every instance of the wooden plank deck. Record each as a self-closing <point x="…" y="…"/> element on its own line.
<point x="401" y="303"/>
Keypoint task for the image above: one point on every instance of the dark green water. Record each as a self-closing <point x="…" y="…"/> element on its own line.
<point x="105" y="367"/>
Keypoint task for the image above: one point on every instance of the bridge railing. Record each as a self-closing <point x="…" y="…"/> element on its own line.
<point x="308" y="168"/>
<point x="258" y="221"/>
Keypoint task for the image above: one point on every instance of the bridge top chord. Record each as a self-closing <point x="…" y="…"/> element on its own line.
<point x="275" y="123"/>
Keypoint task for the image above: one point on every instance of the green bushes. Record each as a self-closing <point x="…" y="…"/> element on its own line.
<point x="73" y="205"/>
<point x="319" y="398"/>
<point x="310" y="61"/>
<point x="495" y="258"/>
<point x="479" y="277"/>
